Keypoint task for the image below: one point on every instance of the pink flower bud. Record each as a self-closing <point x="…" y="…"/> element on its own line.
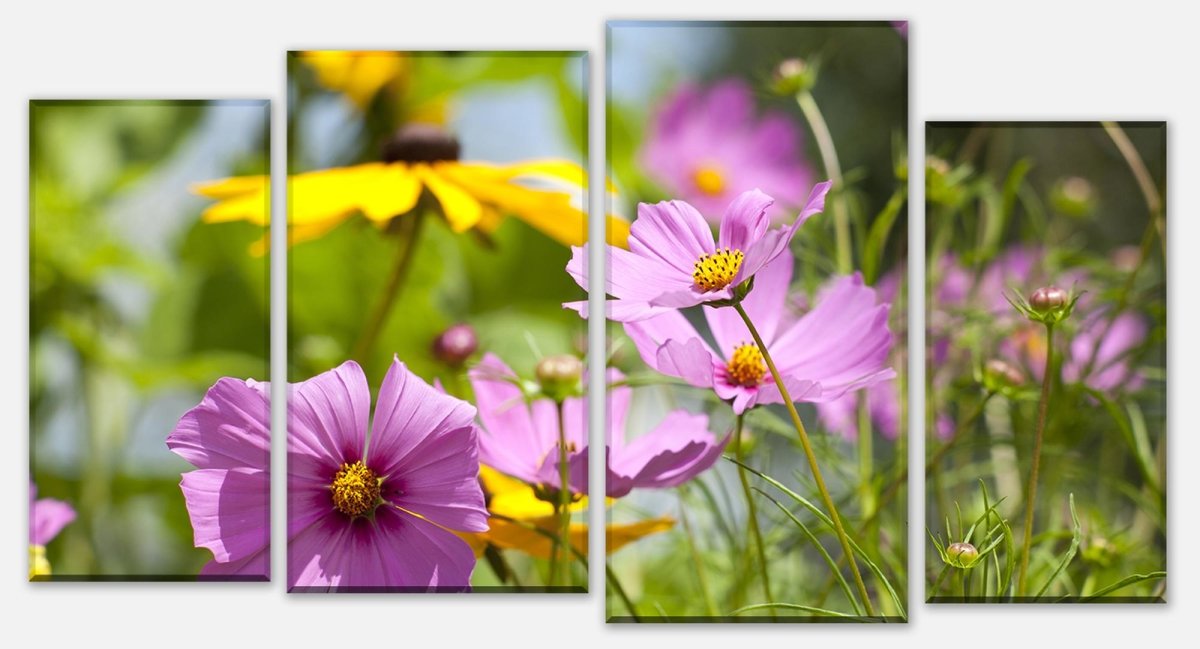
<point x="1048" y="298"/>
<point x="456" y="344"/>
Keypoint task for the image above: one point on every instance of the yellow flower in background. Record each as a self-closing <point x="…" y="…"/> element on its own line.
<point x="510" y="498"/>
<point x="420" y="157"/>
<point x="359" y="75"/>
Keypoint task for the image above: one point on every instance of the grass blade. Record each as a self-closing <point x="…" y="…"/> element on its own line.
<point x="820" y="548"/>
<point x="1070" y="551"/>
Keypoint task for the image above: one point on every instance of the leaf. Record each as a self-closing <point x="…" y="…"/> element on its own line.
<point x="1070" y="554"/>
<point x="837" y="573"/>
<point x="1130" y="580"/>
<point x="878" y="234"/>
<point x="801" y="607"/>
<point x="829" y="522"/>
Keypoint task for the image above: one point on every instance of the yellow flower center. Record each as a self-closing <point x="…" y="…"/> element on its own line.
<point x="355" y="489"/>
<point x="716" y="271"/>
<point x="709" y="180"/>
<point x="746" y="366"/>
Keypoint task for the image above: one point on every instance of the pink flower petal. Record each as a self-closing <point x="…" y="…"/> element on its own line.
<point x="231" y="427"/>
<point x="409" y="412"/>
<point x="745" y="220"/>
<point x="230" y="511"/>
<point x="327" y="415"/>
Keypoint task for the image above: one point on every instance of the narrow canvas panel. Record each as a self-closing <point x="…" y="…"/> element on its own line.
<point x="1045" y="475"/>
<point x="757" y="401"/>
<point x="148" y="334"/>
<point x="437" y="436"/>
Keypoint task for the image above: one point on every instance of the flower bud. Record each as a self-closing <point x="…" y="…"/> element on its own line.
<point x="961" y="555"/>
<point x="793" y="76"/>
<point x="560" y="376"/>
<point x="999" y="375"/>
<point x="456" y="344"/>
<point x="1048" y="298"/>
<point x="1073" y="196"/>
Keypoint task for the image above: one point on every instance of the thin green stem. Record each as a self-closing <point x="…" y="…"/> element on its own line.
<point x="391" y="290"/>
<point x="812" y="461"/>
<point x="752" y="511"/>
<point x="624" y="597"/>
<point x="564" y="495"/>
<point x="1031" y="489"/>
<point x="866" y="459"/>
<point x="701" y="575"/>
<point x="829" y="158"/>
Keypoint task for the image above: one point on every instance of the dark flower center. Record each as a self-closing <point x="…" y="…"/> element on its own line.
<point x="420" y="143"/>
<point x="355" y="490"/>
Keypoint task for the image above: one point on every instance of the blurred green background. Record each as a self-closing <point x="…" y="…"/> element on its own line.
<point x="135" y="309"/>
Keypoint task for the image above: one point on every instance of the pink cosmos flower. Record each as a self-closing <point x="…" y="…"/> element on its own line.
<point x="381" y="514"/>
<point x="1099" y="353"/>
<point x="47" y="517"/>
<point x="673" y="261"/>
<point x="840" y="345"/>
<point x="707" y="147"/>
<point x="883" y="398"/>
<point x="227" y="438"/>
<point x="521" y="438"/>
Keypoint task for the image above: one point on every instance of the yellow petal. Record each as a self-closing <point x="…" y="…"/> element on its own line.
<point x="550" y="212"/>
<point x="462" y="210"/>
<point x="387" y="191"/>
<point x="230" y="187"/>
<point x="617" y="231"/>
<point x="318" y="196"/>
<point x="253" y="207"/>
<point x="619" y="535"/>
<point x="357" y="74"/>
<point x="512" y="498"/>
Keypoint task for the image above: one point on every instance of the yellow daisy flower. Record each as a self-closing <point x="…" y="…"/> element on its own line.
<point x="359" y="75"/>
<point x="419" y="157"/>
<point x="512" y="499"/>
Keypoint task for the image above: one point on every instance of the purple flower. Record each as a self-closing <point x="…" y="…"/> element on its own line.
<point x="883" y="405"/>
<point x="227" y="438"/>
<point x="883" y="398"/>
<point x="706" y="147"/>
<point x="840" y="345"/>
<point x="673" y="261"/>
<point x="47" y="517"/>
<point x="1100" y="352"/>
<point x="383" y="514"/>
<point x="521" y="439"/>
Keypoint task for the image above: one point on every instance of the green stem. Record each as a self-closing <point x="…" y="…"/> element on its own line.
<point x="866" y="458"/>
<point x="391" y="290"/>
<point x="697" y="563"/>
<point x="752" y="511"/>
<point x="564" y="495"/>
<point x="812" y="461"/>
<point x="829" y="158"/>
<point x="616" y="586"/>
<point x="1031" y="489"/>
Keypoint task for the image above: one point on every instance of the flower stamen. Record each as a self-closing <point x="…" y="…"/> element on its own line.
<point x="355" y="490"/>
<point x="746" y="367"/>
<point x="716" y="271"/>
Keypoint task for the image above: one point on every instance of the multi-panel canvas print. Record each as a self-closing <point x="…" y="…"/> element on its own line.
<point x="757" y="467"/>
<point x="149" y="411"/>
<point x="1045" y="470"/>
